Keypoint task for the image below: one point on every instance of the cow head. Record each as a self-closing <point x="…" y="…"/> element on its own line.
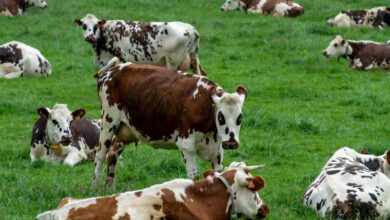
<point x="58" y="122"/>
<point x="337" y="47"/>
<point x="37" y="3"/>
<point x="91" y="26"/>
<point x="228" y="114"/>
<point x="245" y="188"/>
<point x="231" y="5"/>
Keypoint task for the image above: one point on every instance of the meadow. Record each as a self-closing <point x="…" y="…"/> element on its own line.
<point x="301" y="107"/>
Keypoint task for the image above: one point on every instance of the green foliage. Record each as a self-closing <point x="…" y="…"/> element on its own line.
<point x="301" y="106"/>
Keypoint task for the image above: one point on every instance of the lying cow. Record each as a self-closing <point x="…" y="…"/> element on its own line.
<point x="18" y="59"/>
<point x="173" y="45"/>
<point x="282" y="8"/>
<point x="63" y="136"/>
<point x="378" y="17"/>
<point x="352" y="186"/>
<point x="166" y="109"/>
<point x="14" y="7"/>
<point x="361" y="55"/>
<point x="218" y="196"/>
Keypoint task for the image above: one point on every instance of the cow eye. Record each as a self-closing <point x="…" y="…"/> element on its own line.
<point x="239" y="119"/>
<point x="84" y="27"/>
<point x="335" y="45"/>
<point x="221" y="118"/>
<point x="55" y="122"/>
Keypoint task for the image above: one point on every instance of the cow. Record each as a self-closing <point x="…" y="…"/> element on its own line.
<point x="62" y="136"/>
<point x="378" y="17"/>
<point x="281" y="8"/>
<point x="18" y="60"/>
<point x="352" y="186"/>
<point x="173" y="45"/>
<point x="361" y="55"/>
<point x="166" y="109"/>
<point x="11" y="8"/>
<point x="218" y="196"/>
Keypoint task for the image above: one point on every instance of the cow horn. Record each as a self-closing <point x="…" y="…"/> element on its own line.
<point x="254" y="167"/>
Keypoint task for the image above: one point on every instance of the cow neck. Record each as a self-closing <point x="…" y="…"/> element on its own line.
<point x="355" y="47"/>
<point x="100" y="42"/>
<point x="230" y="190"/>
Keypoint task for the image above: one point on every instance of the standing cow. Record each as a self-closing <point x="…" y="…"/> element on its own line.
<point x="13" y="7"/>
<point x="282" y="8"/>
<point x="361" y="55"/>
<point x="173" y="45"/>
<point x="352" y="186"/>
<point x="218" y="196"/>
<point x="166" y="109"/>
<point x="18" y="59"/>
<point x="63" y="136"/>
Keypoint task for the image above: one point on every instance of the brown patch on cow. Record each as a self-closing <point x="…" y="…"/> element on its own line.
<point x="157" y="207"/>
<point x="269" y="5"/>
<point x="250" y="3"/>
<point x="105" y="208"/>
<point x="138" y="193"/>
<point x="84" y="128"/>
<point x="388" y="156"/>
<point x="125" y="217"/>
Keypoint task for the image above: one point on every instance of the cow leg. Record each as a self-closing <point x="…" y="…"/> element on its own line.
<point x="112" y="159"/>
<point x="217" y="162"/>
<point x="187" y="148"/>
<point x="13" y="75"/>
<point x="74" y="157"/>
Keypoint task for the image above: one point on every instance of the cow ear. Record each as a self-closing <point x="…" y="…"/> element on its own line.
<point x="78" y="114"/>
<point x="388" y="157"/>
<point x="242" y="93"/>
<point x="215" y="94"/>
<point x="208" y="173"/>
<point x="363" y="151"/>
<point x="343" y="42"/>
<point x="78" y="22"/>
<point x="43" y="112"/>
<point x="102" y="22"/>
<point x="255" y="183"/>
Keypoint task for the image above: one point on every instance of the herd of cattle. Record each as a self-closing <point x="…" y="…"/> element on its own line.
<point x="142" y="84"/>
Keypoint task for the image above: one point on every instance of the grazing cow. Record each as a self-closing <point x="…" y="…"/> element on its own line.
<point x="234" y="191"/>
<point x="166" y="109"/>
<point x="173" y="45"/>
<point x="378" y="17"/>
<point x="352" y="186"/>
<point x="63" y="136"/>
<point x="18" y="59"/>
<point x="13" y="7"/>
<point x="282" y="8"/>
<point x="361" y="55"/>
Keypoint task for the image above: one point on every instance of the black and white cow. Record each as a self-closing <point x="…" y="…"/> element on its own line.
<point x="18" y="59"/>
<point x="13" y="7"/>
<point x="378" y="17"/>
<point x="352" y="186"/>
<point x="166" y="109"/>
<point x="361" y="55"/>
<point x="63" y="136"/>
<point x="173" y="45"/>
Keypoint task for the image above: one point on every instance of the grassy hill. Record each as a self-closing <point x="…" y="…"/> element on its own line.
<point x="301" y="107"/>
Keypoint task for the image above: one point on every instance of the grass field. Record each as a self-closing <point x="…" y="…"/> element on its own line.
<point x="301" y="107"/>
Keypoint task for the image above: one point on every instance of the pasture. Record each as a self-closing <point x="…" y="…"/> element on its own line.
<point x="301" y="106"/>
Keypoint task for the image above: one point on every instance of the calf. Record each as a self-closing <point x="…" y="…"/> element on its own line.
<point x="362" y="55"/>
<point x="166" y="109"/>
<point x="18" y="59"/>
<point x="352" y="186"/>
<point x="14" y="7"/>
<point x="61" y="136"/>
<point x="173" y="45"/>
<point x="282" y="8"/>
<point x="216" y="197"/>
<point x="378" y="17"/>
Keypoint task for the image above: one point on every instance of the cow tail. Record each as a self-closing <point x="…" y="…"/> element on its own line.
<point x="195" y="63"/>
<point x="113" y="62"/>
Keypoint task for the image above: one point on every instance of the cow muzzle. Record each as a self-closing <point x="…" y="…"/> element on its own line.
<point x="66" y="140"/>
<point x="222" y="9"/>
<point x="90" y="39"/>
<point x="325" y="54"/>
<point x="230" y="145"/>
<point x="262" y="212"/>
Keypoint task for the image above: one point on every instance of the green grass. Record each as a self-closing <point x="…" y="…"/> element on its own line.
<point x="301" y="106"/>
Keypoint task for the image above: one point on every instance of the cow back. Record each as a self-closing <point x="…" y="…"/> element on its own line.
<point x="84" y="128"/>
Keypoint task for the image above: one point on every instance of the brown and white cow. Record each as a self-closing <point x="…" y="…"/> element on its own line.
<point x="378" y="17"/>
<point x="282" y="8"/>
<point x="14" y="7"/>
<point x="218" y="196"/>
<point x="361" y="55"/>
<point x="21" y="60"/>
<point x="166" y="109"/>
<point x="173" y="45"/>
<point x="63" y="136"/>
